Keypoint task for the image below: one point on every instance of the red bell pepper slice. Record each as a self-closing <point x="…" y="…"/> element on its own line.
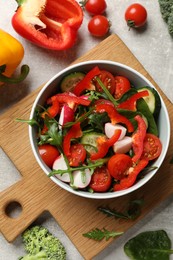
<point x="138" y="138"/>
<point x="130" y="103"/>
<point x="104" y="145"/>
<point x="74" y="132"/>
<point x="50" y="24"/>
<point x="132" y="174"/>
<point x="71" y="99"/>
<point x="114" y="116"/>
<point x="53" y="110"/>
<point x="86" y="81"/>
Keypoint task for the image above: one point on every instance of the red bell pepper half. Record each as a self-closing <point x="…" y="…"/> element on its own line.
<point x="50" y="24"/>
<point x="114" y="116"/>
<point x="132" y="174"/>
<point x="74" y="132"/>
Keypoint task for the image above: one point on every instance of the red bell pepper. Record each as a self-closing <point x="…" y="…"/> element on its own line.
<point x="50" y="24"/>
<point x="114" y="116"/>
<point x="53" y="110"/>
<point x="70" y="99"/>
<point x="74" y="132"/>
<point x="132" y="174"/>
<point x="104" y="145"/>
<point x="138" y="138"/>
<point x="130" y="103"/>
<point x="85" y="83"/>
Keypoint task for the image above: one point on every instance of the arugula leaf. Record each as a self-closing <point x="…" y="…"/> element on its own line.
<point x="132" y="212"/>
<point x="55" y="135"/>
<point x="98" y="234"/>
<point x="149" y="245"/>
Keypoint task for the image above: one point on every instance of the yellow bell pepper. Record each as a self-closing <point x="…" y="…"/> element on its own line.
<point x="11" y="54"/>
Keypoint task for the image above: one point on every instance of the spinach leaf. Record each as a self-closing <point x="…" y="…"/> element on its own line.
<point x="144" y="109"/>
<point x="149" y="245"/>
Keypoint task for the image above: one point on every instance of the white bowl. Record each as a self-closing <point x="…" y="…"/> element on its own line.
<point x="138" y="80"/>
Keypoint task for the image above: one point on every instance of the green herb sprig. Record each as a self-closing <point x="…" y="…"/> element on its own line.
<point x="98" y="234"/>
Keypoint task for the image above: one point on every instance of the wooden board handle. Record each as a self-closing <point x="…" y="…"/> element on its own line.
<point x="22" y="193"/>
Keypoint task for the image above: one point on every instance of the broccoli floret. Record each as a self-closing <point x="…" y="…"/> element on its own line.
<point x="166" y="7"/>
<point x="38" y="239"/>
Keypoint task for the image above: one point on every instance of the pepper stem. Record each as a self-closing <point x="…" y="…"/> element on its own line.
<point x="10" y="80"/>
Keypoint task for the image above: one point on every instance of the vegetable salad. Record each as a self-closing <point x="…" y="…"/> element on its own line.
<point x="99" y="133"/>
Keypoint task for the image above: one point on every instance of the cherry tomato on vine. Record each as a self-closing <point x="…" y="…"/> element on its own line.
<point x="122" y="85"/>
<point x="100" y="180"/>
<point x="98" y="25"/>
<point x="77" y="155"/>
<point x="48" y="153"/>
<point x="152" y="147"/>
<point x="95" y="7"/>
<point x="108" y="80"/>
<point x="136" y="15"/>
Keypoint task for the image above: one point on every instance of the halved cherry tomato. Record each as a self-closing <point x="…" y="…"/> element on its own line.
<point x="136" y="15"/>
<point x="48" y="153"/>
<point x="95" y="6"/>
<point x="152" y="147"/>
<point x="98" y="25"/>
<point x="118" y="165"/>
<point x="122" y="85"/>
<point x="101" y="179"/>
<point x="77" y="155"/>
<point x="108" y="80"/>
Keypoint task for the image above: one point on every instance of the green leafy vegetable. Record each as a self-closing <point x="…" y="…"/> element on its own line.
<point x="149" y="245"/>
<point x="98" y="234"/>
<point x="166" y="9"/>
<point x="132" y="212"/>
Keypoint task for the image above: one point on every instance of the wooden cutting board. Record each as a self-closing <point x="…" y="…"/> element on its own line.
<point x="36" y="193"/>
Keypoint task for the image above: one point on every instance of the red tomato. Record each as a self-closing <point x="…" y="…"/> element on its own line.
<point x="48" y="153"/>
<point x="152" y="147"/>
<point x="98" y="25"/>
<point x="101" y="180"/>
<point x="136" y="15"/>
<point x="108" y="80"/>
<point x="122" y="85"/>
<point x="77" y="155"/>
<point x="118" y="164"/>
<point x="95" y="6"/>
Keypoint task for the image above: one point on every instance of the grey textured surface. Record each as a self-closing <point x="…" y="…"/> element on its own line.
<point x="153" y="47"/>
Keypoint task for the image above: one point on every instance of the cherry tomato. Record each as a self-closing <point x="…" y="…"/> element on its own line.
<point x="48" y="153"/>
<point x="101" y="179"/>
<point x="95" y="6"/>
<point x="77" y="155"/>
<point x="152" y="147"/>
<point x="98" y="25"/>
<point x="108" y="80"/>
<point x="136" y="15"/>
<point x="118" y="165"/>
<point x="122" y="85"/>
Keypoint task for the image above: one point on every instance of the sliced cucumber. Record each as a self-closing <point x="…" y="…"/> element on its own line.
<point x="70" y="81"/>
<point x="153" y="100"/>
<point x="89" y="140"/>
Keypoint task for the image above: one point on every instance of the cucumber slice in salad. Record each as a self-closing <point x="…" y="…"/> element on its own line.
<point x="71" y="80"/>
<point x="89" y="140"/>
<point x="153" y="100"/>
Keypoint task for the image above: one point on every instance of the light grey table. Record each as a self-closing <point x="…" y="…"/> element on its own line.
<point x="153" y="47"/>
